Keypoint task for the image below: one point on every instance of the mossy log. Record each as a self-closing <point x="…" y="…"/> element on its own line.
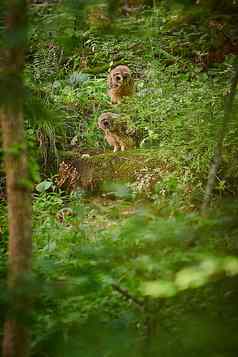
<point x="142" y="167"/>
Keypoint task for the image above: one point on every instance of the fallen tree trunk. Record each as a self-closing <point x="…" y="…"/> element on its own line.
<point x="142" y="167"/>
<point x="145" y="170"/>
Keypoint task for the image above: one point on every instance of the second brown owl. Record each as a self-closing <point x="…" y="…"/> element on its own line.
<point x="116" y="131"/>
<point x="120" y="83"/>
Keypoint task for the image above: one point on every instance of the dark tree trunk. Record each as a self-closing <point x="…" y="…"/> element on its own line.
<point x="16" y="337"/>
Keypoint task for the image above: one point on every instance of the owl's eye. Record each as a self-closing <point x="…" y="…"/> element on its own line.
<point x="118" y="78"/>
<point x="106" y="123"/>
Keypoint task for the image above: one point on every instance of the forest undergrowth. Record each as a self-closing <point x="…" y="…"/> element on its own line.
<point x="132" y="270"/>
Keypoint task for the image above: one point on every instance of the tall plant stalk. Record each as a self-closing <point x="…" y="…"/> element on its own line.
<point x="219" y="145"/>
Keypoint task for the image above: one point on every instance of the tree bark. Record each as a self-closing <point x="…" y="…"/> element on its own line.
<point x="219" y="146"/>
<point x="16" y="332"/>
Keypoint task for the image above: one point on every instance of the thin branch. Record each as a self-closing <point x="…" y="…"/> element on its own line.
<point x="219" y="146"/>
<point x="139" y="303"/>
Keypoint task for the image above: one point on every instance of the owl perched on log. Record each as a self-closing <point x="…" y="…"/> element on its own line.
<point x="120" y="83"/>
<point x="116" y="131"/>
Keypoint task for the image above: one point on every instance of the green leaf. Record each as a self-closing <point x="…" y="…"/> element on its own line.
<point x="44" y="186"/>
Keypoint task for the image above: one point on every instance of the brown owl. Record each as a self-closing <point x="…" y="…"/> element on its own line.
<point x="116" y="131"/>
<point x="120" y="83"/>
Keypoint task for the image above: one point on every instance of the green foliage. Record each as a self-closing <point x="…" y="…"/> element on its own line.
<point x="127" y="244"/>
<point x="177" y="105"/>
<point x="192" y="277"/>
<point x="124" y="274"/>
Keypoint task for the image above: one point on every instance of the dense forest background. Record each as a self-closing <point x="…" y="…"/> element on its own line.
<point x="128" y="260"/>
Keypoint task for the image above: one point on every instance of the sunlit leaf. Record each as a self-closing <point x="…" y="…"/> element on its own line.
<point x="44" y="186"/>
<point x="158" y="289"/>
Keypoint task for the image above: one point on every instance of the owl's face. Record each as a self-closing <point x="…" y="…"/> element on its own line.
<point x="119" y="76"/>
<point x="115" y="131"/>
<point x="105" y="121"/>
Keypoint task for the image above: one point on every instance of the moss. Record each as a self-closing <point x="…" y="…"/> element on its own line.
<point x="128" y="166"/>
